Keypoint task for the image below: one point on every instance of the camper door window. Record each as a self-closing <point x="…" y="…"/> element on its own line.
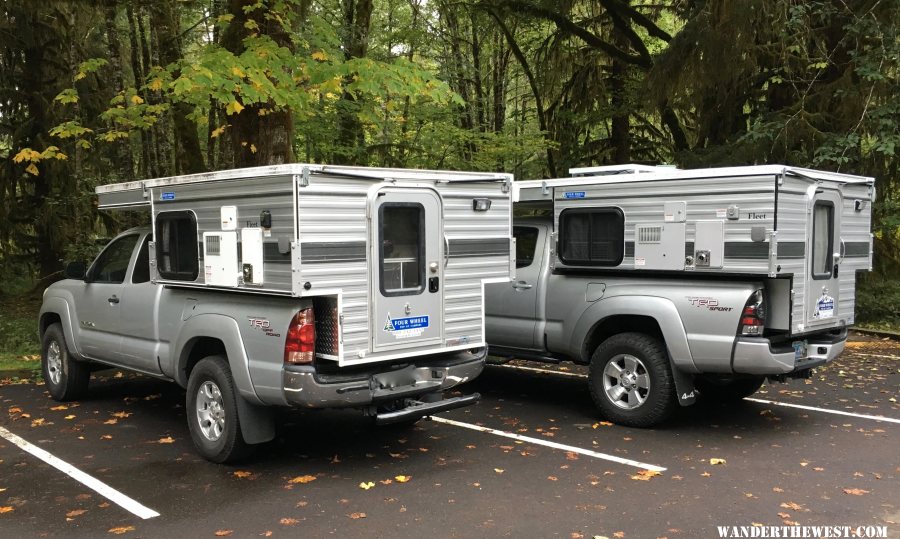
<point x="823" y="234"/>
<point x="402" y="256"/>
<point x="592" y="236"/>
<point x="177" y="245"/>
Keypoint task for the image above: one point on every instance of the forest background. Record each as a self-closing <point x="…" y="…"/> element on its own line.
<point x="103" y="91"/>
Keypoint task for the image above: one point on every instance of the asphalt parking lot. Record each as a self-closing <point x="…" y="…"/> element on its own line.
<point x="532" y="459"/>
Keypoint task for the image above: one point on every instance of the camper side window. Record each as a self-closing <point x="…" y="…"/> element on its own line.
<point x="526" y="245"/>
<point x="822" y="236"/>
<point x="402" y="253"/>
<point x="592" y="236"/>
<point x="176" y="245"/>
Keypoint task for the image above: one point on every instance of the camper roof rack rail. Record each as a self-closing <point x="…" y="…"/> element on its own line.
<point x="610" y="170"/>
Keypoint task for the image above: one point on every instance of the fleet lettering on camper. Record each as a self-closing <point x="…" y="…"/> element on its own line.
<point x="708" y="303"/>
<point x="755" y="216"/>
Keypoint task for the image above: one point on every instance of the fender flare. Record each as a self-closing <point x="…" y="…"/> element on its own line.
<point x="60" y="307"/>
<point x="666" y="315"/>
<point x="256" y="419"/>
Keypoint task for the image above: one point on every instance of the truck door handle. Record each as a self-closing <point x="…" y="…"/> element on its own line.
<point x="113" y="299"/>
<point x="521" y="285"/>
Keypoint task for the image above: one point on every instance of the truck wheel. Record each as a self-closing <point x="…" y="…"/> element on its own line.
<point x="727" y="389"/>
<point x="212" y="412"/>
<point x="66" y="379"/>
<point x="630" y="380"/>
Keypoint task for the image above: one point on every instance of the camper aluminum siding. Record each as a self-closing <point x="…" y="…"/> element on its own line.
<point x="335" y="253"/>
<point x="321" y="242"/>
<point x="763" y="213"/>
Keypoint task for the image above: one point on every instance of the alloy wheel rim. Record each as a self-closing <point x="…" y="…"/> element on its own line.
<point x="210" y="409"/>
<point x="54" y="363"/>
<point x="626" y="381"/>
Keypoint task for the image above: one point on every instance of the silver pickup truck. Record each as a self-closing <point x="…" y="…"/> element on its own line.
<point x="232" y="352"/>
<point x="649" y="340"/>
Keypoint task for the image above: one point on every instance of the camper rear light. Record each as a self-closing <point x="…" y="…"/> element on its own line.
<point x="300" y="342"/>
<point x="753" y="318"/>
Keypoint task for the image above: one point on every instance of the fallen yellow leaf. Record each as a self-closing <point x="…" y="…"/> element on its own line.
<point x="357" y="516"/>
<point x="645" y="475"/>
<point x="167" y="440"/>
<point x="288" y="521"/>
<point x="855" y="491"/>
<point x="6" y="509"/>
<point x="121" y="529"/>
<point x="60" y="407"/>
<point x="715" y="462"/>
<point x="366" y="486"/>
<point x="499" y="470"/>
<point x="303" y="479"/>
<point x="403" y="478"/>
<point x="70" y="416"/>
<point x="223" y="533"/>
<point x="75" y="513"/>
<point x="242" y="474"/>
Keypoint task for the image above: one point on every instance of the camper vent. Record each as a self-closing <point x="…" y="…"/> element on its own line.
<point x="649" y="234"/>
<point x="213" y="246"/>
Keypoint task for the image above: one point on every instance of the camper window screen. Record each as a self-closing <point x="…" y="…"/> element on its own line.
<point x="402" y="248"/>
<point x="592" y="236"/>
<point x="823" y="232"/>
<point x="176" y="245"/>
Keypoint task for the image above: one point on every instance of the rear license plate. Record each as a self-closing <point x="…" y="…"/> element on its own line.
<point x="800" y="349"/>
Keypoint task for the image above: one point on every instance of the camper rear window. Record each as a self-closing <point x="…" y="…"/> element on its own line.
<point x="592" y="236"/>
<point x="822" y="236"/>
<point x="402" y="248"/>
<point x="176" y="246"/>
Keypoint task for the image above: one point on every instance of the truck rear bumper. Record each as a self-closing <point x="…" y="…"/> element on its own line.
<point x="303" y="388"/>
<point x="758" y="355"/>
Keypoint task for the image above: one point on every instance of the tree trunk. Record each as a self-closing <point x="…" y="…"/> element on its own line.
<point x="265" y="139"/>
<point x="165" y="21"/>
<point x="351" y="138"/>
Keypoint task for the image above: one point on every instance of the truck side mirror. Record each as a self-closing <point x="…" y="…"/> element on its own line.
<point x="75" y="270"/>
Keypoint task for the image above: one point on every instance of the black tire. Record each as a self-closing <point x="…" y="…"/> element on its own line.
<point x="631" y="380"/>
<point x="212" y="414"/>
<point x="728" y="389"/>
<point x="66" y="379"/>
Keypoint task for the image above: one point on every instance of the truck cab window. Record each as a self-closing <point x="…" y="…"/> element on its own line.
<point x="592" y="236"/>
<point x="526" y="245"/>
<point x="402" y="249"/>
<point x="823" y="232"/>
<point x="112" y="264"/>
<point x="176" y="246"/>
<point x="141" y="273"/>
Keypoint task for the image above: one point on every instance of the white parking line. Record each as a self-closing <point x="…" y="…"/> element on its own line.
<point x="554" y="445"/>
<point x="825" y="410"/>
<point x="761" y="401"/>
<point x="543" y="371"/>
<point x="96" y="485"/>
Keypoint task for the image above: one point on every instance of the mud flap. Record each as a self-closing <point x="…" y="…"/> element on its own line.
<point x="257" y="422"/>
<point x="684" y="386"/>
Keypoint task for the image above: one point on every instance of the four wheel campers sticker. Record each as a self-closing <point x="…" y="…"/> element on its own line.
<point x="824" y="307"/>
<point x="404" y="328"/>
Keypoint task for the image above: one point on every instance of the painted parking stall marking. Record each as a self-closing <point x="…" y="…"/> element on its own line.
<point x="751" y="399"/>
<point x="554" y="445"/>
<point x="92" y="483"/>
<point x="825" y="410"/>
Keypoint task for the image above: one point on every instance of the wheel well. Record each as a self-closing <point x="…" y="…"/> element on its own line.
<point x="614" y="325"/>
<point x="195" y="350"/>
<point x="47" y="320"/>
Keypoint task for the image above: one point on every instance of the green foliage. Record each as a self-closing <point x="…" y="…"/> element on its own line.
<point x="878" y="303"/>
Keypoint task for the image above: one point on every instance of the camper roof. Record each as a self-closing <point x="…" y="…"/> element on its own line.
<point x="608" y="170"/>
<point x="131" y="194"/>
<point x="537" y="189"/>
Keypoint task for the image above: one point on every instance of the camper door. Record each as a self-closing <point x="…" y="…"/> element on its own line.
<point x="407" y="268"/>
<point x="825" y="256"/>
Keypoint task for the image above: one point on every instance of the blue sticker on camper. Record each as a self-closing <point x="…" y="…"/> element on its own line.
<point x="167" y="196"/>
<point x="574" y="194"/>
<point x="824" y="307"/>
<point x="400" y="328"/>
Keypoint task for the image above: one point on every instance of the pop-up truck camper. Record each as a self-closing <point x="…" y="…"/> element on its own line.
<point x="294" y="285"/>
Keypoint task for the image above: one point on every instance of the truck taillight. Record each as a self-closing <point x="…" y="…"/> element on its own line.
<point x="753" y="318"/>
<point x="300" y="342"/>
